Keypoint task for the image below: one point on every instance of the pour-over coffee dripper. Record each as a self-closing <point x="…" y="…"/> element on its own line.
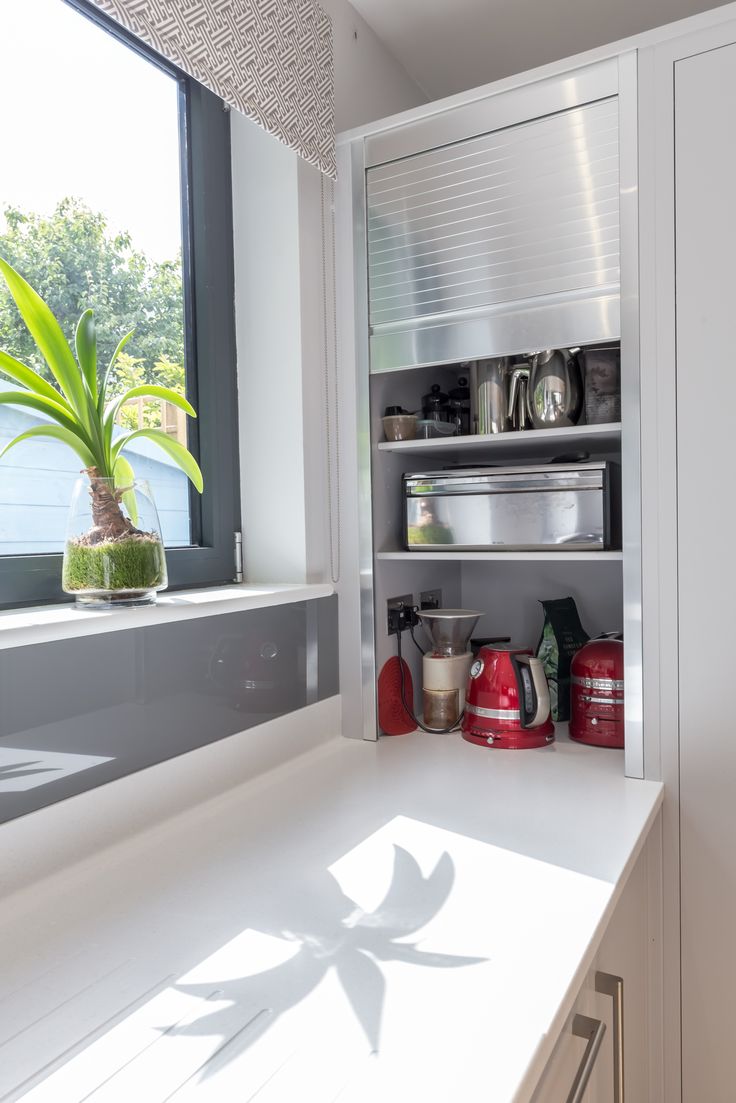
<point x="449" y="629"/>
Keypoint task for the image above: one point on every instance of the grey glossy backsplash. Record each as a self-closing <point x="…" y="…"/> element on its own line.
<point x="81" y="712"/>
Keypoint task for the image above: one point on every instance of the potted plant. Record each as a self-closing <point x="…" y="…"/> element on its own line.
<point x="114" y="553"/>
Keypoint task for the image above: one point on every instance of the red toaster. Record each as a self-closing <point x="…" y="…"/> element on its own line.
<point x="597" y="692"/>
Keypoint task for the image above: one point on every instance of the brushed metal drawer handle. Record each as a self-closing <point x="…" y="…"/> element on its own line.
<point x="610" y="985"/>
<point x="593" y="1030"/>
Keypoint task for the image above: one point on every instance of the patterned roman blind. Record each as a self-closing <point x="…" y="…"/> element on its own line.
<point x="270" y="59"/>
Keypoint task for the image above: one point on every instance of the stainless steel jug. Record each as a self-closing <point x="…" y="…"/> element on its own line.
<point x="492" y="390"/>
<point x="555" y="395"/>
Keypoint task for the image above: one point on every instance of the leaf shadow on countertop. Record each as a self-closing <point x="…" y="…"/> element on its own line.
<point x="14" y="770"/>
<point x="339" y="936"/>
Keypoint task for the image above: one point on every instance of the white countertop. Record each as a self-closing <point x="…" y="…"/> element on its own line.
<point x="401" y="921"/>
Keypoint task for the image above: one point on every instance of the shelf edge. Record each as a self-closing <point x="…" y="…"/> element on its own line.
<point x="497" y="440"/>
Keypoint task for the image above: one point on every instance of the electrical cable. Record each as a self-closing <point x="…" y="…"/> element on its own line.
<point x="419" y="724"/>
<point x="418" y="646"/>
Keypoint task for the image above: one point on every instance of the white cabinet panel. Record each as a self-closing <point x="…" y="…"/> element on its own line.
<point x="705" y="171"/>
<point x="624" y="953"/>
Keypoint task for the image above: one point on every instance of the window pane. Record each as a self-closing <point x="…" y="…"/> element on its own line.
<point x="90" y="214"/>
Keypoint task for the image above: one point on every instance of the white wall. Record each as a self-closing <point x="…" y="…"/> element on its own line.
<point x="279" y="314"/>
<point x="268" y="333"/>
<point x="451" y="45"/>
<point x="369" y="82"/>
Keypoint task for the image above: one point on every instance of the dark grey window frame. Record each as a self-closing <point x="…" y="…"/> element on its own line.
<point x="209" y="289"/>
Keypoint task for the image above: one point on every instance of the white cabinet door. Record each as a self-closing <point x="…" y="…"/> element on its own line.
<point x="705" y="229"/>
<point x="562" y="1068"/>
<point x="623" y="954"/>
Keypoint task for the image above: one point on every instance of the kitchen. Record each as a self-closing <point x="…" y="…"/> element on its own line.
<point x="354" y="885"/>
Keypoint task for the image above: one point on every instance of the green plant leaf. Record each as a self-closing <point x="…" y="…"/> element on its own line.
<point x="96" y="430"/>
<point x="124" y="475"/>
<point x="27" y="377"/>
<point x="54" y="432"/>
<point x="178" y="452"/>
<point x="101" y="398"/>
<point x="149" y="390"/>
<point x="45" y="406"/>
<point x="86" y="342"/>
<point x="153" y="391"/>
<point x="46" y="332"/>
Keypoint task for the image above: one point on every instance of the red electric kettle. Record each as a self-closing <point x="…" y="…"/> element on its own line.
<point x="507" y="703"/>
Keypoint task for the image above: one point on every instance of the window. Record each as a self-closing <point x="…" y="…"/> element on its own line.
<point x="115" y="193"/>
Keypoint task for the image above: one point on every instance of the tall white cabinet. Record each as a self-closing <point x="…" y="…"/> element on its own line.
<point x="676" y="89"/>
<point x="687" y="210"/>
<point x="705" y="296"/>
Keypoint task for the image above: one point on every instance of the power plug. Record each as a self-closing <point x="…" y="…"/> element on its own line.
<point x="400" y="614"/>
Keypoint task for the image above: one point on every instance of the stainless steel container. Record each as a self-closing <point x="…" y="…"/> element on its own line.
<point x="567" y="507"/>
<point x="555" y="395"/>
<point x="492" y="394"/>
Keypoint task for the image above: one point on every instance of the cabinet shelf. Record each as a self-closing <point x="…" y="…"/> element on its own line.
<point x="509" y="446"/>
<point x="505" y="556"/>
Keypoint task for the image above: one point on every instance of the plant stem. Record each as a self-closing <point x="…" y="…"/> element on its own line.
<point x="108" y="520"/>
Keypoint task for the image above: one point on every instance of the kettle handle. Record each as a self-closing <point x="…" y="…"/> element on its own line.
<point x="533" y="688"/>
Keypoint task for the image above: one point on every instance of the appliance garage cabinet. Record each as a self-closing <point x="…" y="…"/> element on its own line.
<point x="482" y="243"/>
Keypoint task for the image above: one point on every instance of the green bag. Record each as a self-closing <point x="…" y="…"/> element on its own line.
<point x="562" y="635"/>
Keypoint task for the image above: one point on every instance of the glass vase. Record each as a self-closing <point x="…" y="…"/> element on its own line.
<point x="114" y="554"/>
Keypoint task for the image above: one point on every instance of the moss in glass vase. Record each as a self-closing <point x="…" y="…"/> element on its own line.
<point x="132" y="563"/>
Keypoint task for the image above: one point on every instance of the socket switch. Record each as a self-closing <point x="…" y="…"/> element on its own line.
<point x="430" y="599"/>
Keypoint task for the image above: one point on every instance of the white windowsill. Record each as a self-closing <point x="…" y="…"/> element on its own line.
<point x="45" y="623"/>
